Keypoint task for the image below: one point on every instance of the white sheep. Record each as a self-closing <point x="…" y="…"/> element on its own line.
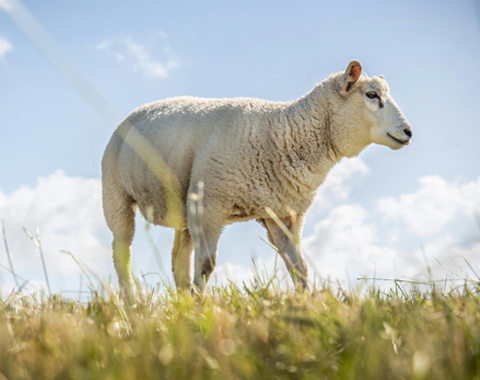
<point x="256" y="159"/>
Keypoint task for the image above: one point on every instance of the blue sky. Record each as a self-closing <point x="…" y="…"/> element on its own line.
<point x="373" y="214"/>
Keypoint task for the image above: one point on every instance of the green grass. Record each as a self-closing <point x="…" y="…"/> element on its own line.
<point x="258" y="332"/>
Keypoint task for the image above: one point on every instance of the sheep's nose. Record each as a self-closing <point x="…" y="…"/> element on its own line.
<point x="408" y="132"/>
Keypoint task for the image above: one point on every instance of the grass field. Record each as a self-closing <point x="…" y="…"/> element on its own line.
<point x="258" y="332"/>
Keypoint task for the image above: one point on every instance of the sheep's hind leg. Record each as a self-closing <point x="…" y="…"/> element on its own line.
<point x="289" y="246"/>
<point x="182" y="259"/>
<point x="120" y="216"/>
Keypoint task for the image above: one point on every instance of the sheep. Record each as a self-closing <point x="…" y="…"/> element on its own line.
<point x="251" y="158"/>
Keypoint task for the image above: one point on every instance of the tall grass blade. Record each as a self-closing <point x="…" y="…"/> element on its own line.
<point x="38" y="243"/>
<point x="280" y="224"/>
<point x="5" y="242"/>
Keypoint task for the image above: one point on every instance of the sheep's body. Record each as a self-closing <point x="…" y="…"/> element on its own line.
<point x="250" y="154"/>
<point x="229" y="145"/>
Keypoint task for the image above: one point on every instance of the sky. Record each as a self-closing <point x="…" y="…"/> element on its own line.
<point x="71" y="71"/>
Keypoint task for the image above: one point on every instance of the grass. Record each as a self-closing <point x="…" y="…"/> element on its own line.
<point x="258" y="332"/>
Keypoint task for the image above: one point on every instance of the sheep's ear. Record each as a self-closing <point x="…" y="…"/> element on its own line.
<point x="349" y="77"/>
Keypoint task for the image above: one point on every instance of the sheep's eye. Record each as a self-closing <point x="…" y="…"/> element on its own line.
<point x="371" y="94"/>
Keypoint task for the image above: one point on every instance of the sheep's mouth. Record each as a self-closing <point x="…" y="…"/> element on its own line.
<point x="399" y="141"/>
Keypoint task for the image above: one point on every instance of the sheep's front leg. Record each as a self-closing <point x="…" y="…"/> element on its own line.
<point x="206" y="254"/>
<point x="205" y="229"/>
<point x="289" y="246"/>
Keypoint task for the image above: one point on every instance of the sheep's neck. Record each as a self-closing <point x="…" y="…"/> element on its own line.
<point x="309" y="149"/>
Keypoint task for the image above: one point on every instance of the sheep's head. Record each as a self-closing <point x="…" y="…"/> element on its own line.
<point x="375" y="110"/>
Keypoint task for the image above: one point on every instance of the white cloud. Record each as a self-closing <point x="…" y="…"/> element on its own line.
<point x="346" y="242"/>
<point x="68" y="213"/>
<point x="354" y="241"/>
<point x="338" y="184"/>
<point x="433" y="206"/>
<point x="128" y="50"/>
<point x="5" y="47"/>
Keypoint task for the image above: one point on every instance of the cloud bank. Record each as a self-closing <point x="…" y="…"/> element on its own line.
<point x="433" y="206"/>
<point x="401" y="236"/>
<point x="68" y="213"/>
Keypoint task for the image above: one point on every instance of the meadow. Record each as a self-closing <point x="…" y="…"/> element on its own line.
<point x="258" y="331"/>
